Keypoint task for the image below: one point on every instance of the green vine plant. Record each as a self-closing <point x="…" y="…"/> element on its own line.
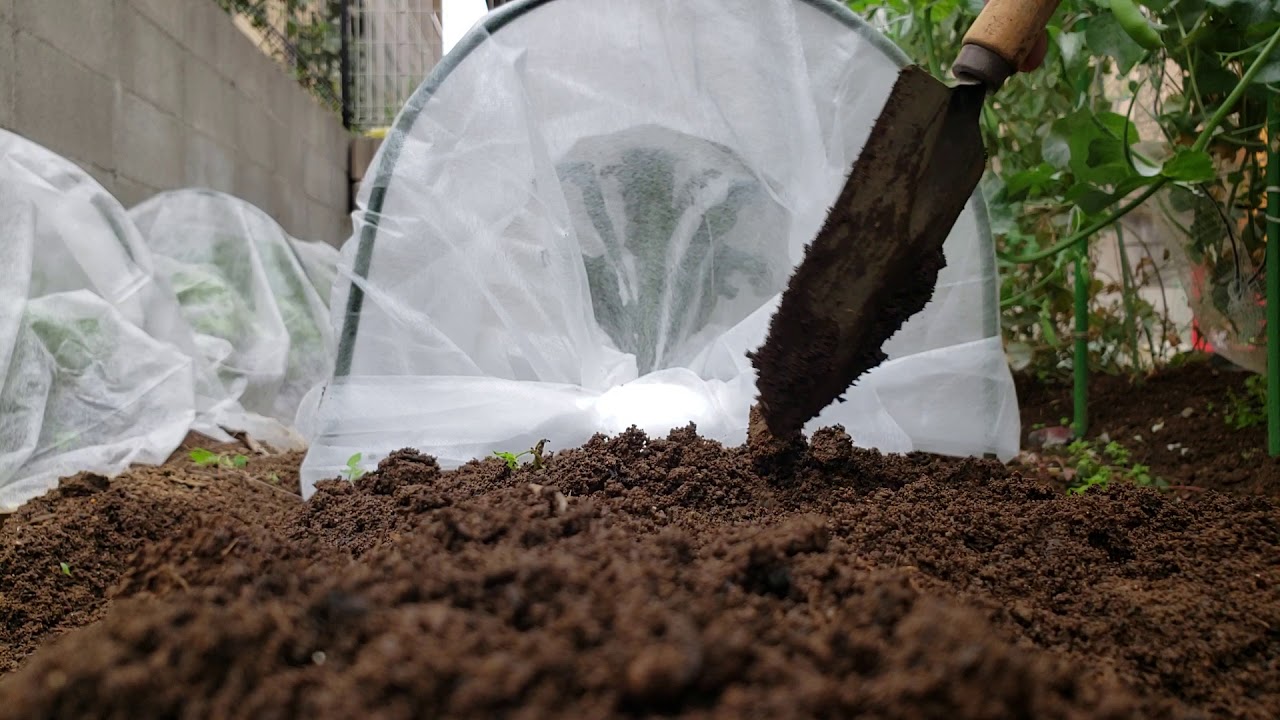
<point x="1137" y="100"/>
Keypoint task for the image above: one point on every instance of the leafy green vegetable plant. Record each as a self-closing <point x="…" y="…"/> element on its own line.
<point x="208" y="458"/>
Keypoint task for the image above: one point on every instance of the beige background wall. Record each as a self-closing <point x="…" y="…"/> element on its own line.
<point x="151" y="95"/>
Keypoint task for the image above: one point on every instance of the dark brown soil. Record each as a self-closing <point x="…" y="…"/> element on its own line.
<point x="637" y="577"/>
<point x="61" y="553"/>
<point x="1175" y="422"/>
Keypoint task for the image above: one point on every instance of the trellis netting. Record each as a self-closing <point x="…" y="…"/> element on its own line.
<point x="100" y="368"/>
<point x="584" y="218"/>
<point x="260" y="319"/>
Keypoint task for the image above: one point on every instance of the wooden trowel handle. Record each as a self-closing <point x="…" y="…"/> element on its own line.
<point x="1008" y="28"/>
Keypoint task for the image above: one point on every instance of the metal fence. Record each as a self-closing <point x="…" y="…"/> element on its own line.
<point x="363" y="58"/>
<point x="390" y="46"/>
<point x="301" y="36"/>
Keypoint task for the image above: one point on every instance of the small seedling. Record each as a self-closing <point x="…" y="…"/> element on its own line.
<point x="1097" y="464"/>
<point x="1250" y="409"/>
<point x="274" y="479"/>
<point x="353" y="471"/>
<point x="513" y="459"/>
<point x="66" y="569"/>
<point x="207" y="458"/>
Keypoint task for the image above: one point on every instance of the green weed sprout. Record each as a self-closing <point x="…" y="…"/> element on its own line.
<point x="1097" y="465"/>
<point x="513" y="459"/>
<point x="1250" y="409"/>
<point x="65" y="568"/>
<point x="207" y="458"/>
<point x="353" y="471"/>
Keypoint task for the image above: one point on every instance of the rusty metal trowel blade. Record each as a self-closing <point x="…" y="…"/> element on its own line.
<point x="876" y="260"/>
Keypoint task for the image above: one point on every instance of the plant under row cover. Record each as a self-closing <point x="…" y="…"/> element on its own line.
<point x="585" y="216"/>
<point x="120" y="332"/>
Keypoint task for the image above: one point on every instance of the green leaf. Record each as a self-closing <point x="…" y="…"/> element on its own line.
<point x="1091" y="146"/>
<point x="240" y="461"/>
<point x="1132" y="183"/>
<point x="1190" y="166"/>
<point x="1104" y="35"/>
<point x="1089" y="198"/>
<point x="1030" y="181"/>
<point x="1270" y="72"/>
<point x="1071" y="45"/>
<point x="200" y="456"/>
<point x="1056" y="146"/>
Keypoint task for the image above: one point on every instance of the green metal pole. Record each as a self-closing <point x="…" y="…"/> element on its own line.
<point x="1080" y="366"/>
<point x="1273" y="277"/>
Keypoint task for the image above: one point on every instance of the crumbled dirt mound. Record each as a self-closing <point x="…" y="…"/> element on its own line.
<point x="60" y="553"/>
<point x="1173" y="422"/>
<point x="638" y="577"/>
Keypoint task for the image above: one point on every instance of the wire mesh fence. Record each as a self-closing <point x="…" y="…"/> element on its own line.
<point x="391" y="46"/>
<point x="304" y="36"/>
<point x="363" y="58"/>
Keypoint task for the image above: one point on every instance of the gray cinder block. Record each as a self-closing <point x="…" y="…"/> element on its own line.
<point x="149" y="144"/>
<point x="83" y="29"/>
<point x="61" y="103"/>
<point x="150" y="60"/>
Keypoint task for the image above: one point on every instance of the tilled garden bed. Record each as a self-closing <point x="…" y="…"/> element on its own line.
<point x="638" y="577"/>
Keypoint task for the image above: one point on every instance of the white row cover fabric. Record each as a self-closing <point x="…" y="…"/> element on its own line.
<point x="584" y="218"/>
<point x="260" y="319"/>
<point x="99" y="368"/>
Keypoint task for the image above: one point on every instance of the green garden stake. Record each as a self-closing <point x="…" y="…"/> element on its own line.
<point x="1080" y="366"/>
<point x="1273" y="277"/>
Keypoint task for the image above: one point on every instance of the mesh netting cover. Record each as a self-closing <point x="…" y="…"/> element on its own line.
<point x="1223" y="281"/>
<point x="583" y="220"/>
<point x="259" y="307"/>
<point x="99" y="366"/>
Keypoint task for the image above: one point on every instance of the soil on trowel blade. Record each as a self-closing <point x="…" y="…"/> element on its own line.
<point x="644" y="577"/>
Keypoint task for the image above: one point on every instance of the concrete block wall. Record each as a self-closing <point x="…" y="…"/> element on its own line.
<point x="153" y="95"/>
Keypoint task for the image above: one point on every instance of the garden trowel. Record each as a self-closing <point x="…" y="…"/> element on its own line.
<point x="876" y="260"/>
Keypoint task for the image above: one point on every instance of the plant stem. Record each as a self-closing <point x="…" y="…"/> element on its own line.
<point x="1026" y="294"/>
<point x="1080" y="366"/>
<point x="1273" y="277"/>
<point x="1246" y="80"/>
<point x="1129" y="293"/>
<point x="1206" y="136"/>
<point x="1088" y="231"/>
<point x="926" y="24"/>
